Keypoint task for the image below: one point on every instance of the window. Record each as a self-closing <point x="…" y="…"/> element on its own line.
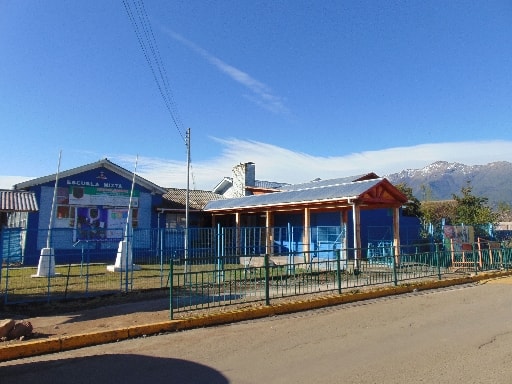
<point x="65" y="216"/>
<point x="175" y="220"/>
<point x="63" y="212"/>
<point x="135" y="218"/>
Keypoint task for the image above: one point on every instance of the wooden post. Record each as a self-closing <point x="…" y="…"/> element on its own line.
<point x="356" y="219"/>
<point x="305" y="237"/>
<point x="268" y="235"/>
<point x="237" y="233"/>
<point x="396" y="234"/>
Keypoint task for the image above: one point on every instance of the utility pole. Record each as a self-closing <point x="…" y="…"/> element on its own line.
<point x="187" y="201"/>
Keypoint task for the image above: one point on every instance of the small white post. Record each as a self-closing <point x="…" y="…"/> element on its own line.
<point x="46" y="265"/>
<point x="124" y="250"/>
<point x="124" y="259"/>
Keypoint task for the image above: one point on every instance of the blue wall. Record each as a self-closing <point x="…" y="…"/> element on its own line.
<point x="376" y="225"/>
<point x="99" y="179"/>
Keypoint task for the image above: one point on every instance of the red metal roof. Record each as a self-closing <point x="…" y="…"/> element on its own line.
<point x="17" y="201"/>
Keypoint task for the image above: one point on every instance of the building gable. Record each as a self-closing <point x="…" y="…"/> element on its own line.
<point x="383" y="193"/>
<point x="101" y="174"/>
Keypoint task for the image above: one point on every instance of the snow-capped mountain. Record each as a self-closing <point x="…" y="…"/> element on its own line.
<point x="440" y="180"/>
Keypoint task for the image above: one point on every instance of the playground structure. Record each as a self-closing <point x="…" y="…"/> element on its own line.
<point x="465" y="256"/>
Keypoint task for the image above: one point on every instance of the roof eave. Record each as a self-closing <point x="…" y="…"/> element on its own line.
<point x="284" y="204"/>
<point x="101" y="163"/>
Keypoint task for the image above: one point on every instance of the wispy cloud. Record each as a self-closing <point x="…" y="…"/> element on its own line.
<point x="274" y="163"/>
<point x="261" y="94"/>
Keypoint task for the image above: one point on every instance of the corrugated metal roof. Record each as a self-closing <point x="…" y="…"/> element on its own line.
<point x="176" y="198"/>
<point x="328" y="182"/>
<point x="227" y="183"/>
<point x="268" y="184"/>
<point x="316" y="192"/>
<point x="17" y="201"/>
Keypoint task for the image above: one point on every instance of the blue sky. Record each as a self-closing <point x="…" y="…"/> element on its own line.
<point x="303" y="89"/>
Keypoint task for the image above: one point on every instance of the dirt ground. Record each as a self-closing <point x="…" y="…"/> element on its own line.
<point x="107" y="312"/>
<point x="89" y="315"/>
<point x="103" y="313"/>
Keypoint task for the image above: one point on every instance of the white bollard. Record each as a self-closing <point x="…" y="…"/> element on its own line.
<point x="46" y="266"/>
<point x="124" y="259"/>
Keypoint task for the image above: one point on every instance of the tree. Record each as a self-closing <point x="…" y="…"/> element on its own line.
<point x="504" y="211"/>
<point x="473" y="210"/>
<point x="434" y="211"/>
<point x="413" y="205"/>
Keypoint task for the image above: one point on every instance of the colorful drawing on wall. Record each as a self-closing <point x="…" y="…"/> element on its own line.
<point x="100" y="224"/>
<point x="91" y="223"/>
<point x="116" y="223"/>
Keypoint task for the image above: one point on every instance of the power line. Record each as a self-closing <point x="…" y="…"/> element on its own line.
<point x="142" y="28"/>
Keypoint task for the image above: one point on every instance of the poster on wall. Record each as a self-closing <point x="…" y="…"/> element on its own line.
<point x="100" y="223"/>
<point x="91" y="223"/>
<point x="102" y="196"/>
<point x="116" y="223"/>
<point x="457" y="235"/>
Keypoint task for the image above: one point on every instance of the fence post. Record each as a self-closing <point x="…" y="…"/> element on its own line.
<point x="438" y="261"/>
<point x="475" y="259"/>
<point x="338" y="269"/>
<point x="171" y="285"/>
<point x="267" y="279"/>
<point x="504" y="256"/>
<point x="393" y="260"/>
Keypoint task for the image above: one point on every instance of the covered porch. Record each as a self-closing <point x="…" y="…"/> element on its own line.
<point x="343" y="198"/>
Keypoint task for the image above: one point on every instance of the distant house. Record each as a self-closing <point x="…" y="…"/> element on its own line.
<point x="15" y="206"/>
<point x="243" y="183"/>
<point x="174" y="205"/>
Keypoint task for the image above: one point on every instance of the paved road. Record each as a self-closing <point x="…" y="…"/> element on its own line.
<point x="457" y="335"/>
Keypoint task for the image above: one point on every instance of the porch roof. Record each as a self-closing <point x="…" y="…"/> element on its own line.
<point x="328" y="194"/>
<point x="176" y="199"/>
<point x="17" y="201"/>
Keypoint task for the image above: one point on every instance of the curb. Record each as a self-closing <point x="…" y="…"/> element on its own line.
<point x="66" y="343"/>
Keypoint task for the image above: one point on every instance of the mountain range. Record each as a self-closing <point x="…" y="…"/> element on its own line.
<point x="440" y="180"/>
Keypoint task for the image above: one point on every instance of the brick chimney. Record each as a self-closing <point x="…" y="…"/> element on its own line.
<point x="244" y="175"/>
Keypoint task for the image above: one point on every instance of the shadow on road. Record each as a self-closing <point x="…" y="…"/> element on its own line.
<point x="112" y="369"/>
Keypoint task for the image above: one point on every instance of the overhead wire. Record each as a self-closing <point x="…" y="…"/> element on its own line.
<point x="146" y="38"/>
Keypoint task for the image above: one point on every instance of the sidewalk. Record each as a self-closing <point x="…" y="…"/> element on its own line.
<point x="139" y="319"/>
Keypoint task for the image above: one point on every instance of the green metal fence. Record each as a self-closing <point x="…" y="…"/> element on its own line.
<point x="218" y="271"/>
